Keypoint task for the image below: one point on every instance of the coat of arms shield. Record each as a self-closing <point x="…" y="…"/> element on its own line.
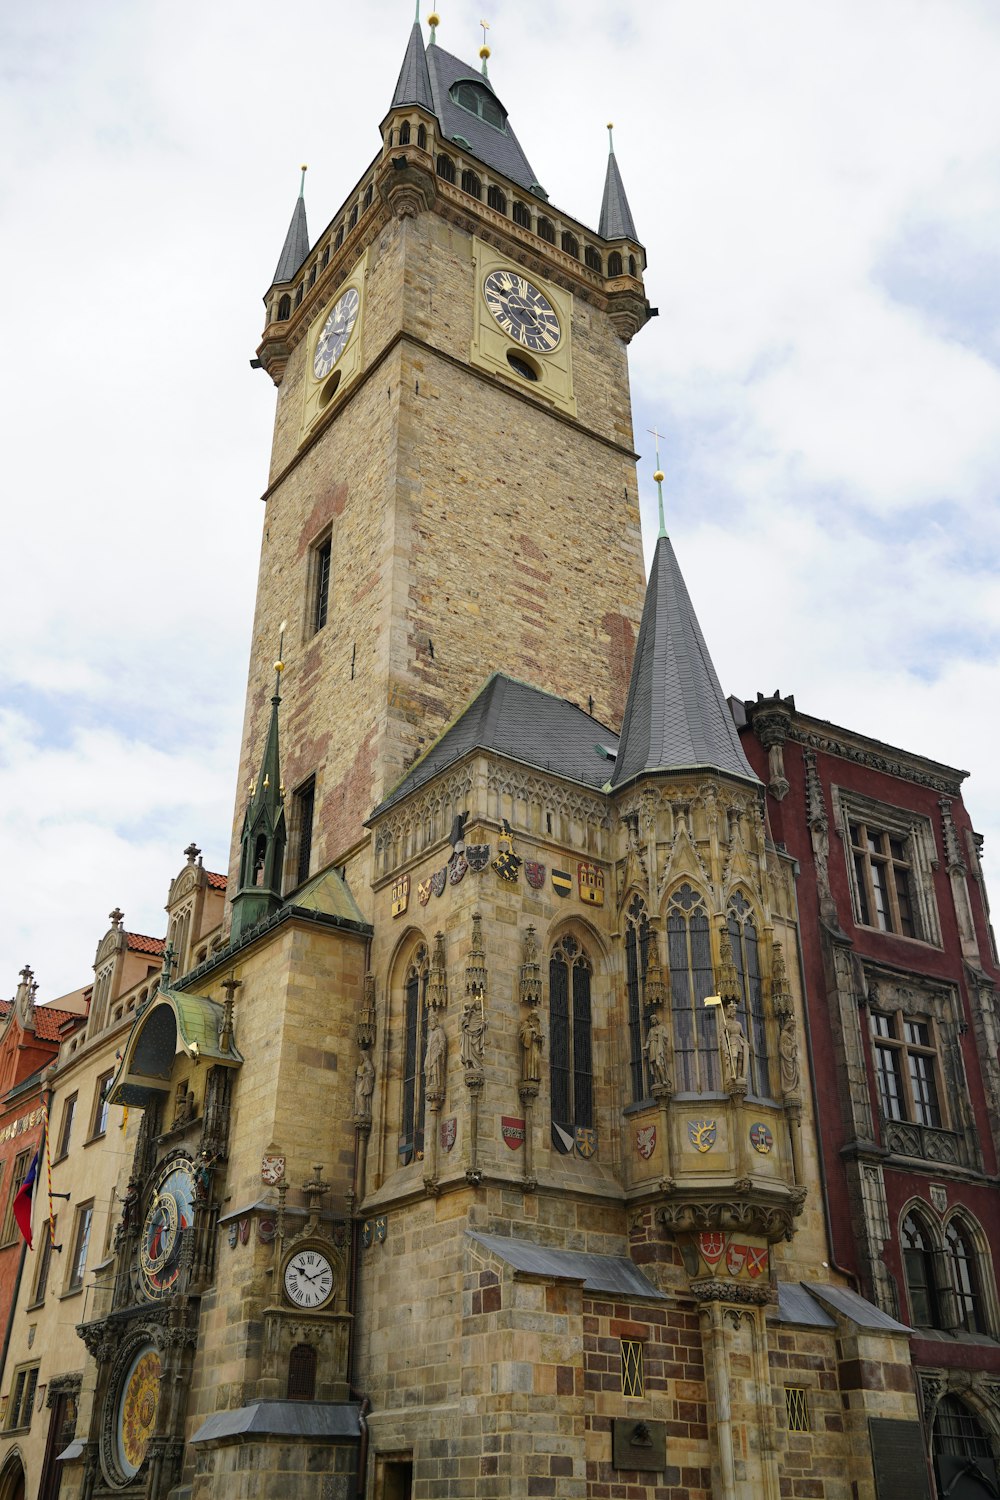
<point x="477" y="856"/>
<point x="457" y="869"/>
<point x="449" y="1133"/>
<point x="439" y="880"/>
<point x="711" y="1246"/>
<point x="645" y="1141"/>
<point x="534" y="874"/>
<point x="424" y="892"/>
<point x="586" y="1141"/>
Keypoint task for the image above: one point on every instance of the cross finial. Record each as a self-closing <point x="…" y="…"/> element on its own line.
<point x="658" y="476"/>
<point x="486" y="26"/>
<point x="116" y="917"/>
<point x="192" y="851"/>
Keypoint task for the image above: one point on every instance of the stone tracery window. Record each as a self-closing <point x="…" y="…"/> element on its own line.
<point x="636" y="956"/>
<point x="411" y="1135"/>
<point x="963" y="1265"/>
<point x="695" y="1034"/>
<point x="923" y="1287"/>
<point x="746" y="955"/>
<point x="571" y="1069"/>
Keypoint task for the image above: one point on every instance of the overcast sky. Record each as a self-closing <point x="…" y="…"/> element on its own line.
<point x="818" y="188"/>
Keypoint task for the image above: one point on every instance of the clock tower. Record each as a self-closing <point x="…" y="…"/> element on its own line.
<point x="452" y="453"/>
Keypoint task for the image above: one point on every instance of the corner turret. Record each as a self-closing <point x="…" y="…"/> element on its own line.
<point x="262" y="843"/>
<point x="296" y="246"/>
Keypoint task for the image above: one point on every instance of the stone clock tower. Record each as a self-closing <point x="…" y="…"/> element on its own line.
<point x="452" y="454"/>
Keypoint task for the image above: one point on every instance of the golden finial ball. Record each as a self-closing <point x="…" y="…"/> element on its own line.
<point x="279" y="666"/>
<point x="304" y="167"/>
<point x="658" y="477"/>
<point x="434" y="19"/>
<point x="484" y="53"/>
<point x="611" y="124"/>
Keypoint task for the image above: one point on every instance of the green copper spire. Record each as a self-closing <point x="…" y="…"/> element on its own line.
<point x="262" y="843"/>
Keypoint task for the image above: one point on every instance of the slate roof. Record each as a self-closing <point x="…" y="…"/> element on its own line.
<point x="139" y="943"/>
<point x="616" y="216"/>
<point x="614" y="1274"/>
<point x="677" y="717"/>
<point x="523" y="722"/>
<point x="499" y="149"/>
<point x="296" y="246"/>
<point x="852" y="1305"/>
<point x="414" y="83"/>
<point x="321" y="1421"/>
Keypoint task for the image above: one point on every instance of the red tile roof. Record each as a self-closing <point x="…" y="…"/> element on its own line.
<point x="217" y="882"/>
<point x="49" y="1022"/>
<point x="6" y="1006"/>
<point x="139" y="944"/>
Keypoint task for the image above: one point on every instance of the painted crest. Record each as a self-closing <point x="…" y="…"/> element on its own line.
<point x="645" y="1141"/>
<point x="590" y="883"/>
<point x="366" y="1233"/>
<point x="266" y="1230"/>
<point x="761" y="1138"/>
<point x="424" y="892"/>
<point x="561" y="1139"/>
<point x="711" y="1246"/>
<point x="586" y="1141"/>
<point x="534" y="874"/>
<point x="381" y="1225"/>
<point x="234" y="1234"/>
<point x="272" y="1170"/>
<point x="562" y="882"/>
<point x="507" y="864"/>
<point x="702" y="1134"/>
<point x="400" y="895"/>
<point x="512" y="1131"/>
<point x="736" y="1256"/>
<point x="756" y="1261"/>
<point x="439" y="880"/>
<point x="939" y="1197"/>
<point x="449" y="1133"/>
<point x="459" y="865"/>
<point x="244" y="1230"/>
<point x="477" y="856"/>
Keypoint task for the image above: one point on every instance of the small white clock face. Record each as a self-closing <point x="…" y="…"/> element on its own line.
<point x="336" y="331"/>
<point x="522" y="311"/>
<point x="308" y="1278"/>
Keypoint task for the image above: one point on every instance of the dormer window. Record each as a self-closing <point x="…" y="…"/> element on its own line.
<point x="479" y="101"/>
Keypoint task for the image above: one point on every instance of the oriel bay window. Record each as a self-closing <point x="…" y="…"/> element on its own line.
<point x="636" y="954"/>
<point x="570" y="1059"/>
<point x="411" y="1140"/>
<point x="695" y="1034"/>
<point x="746" y="956"/>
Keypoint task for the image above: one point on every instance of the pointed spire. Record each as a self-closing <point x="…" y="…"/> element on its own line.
<point x="414" y="83"/>
<point x="677" y="717"/>
<point x="658" y="478"/>
<point x="616" y="216"/>
<point x="296" y="246"/>
<point x="263" y="840"/>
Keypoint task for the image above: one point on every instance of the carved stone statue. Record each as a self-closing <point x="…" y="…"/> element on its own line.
<point x="184" y="1106"/>
<point x="735" y="1049"/>
<point x="788" y="1054"/>
<point x="434" y="1060"/>
<point x="530" y="1034"/>
<point x="474" y="1028"/>
<point x="657" y="1049"/>
<point x="364" y="1087"/>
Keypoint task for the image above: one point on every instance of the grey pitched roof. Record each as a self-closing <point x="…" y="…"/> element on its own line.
<point x="524" y="723"/>
<point x="616" y="216"/>
<point x="796" y="1305"/>
<point x="676" y="717"/>
<point x="320" y="1421"/>
<point x="414" y="83"/>
<point x="499" y="149"/>
<point x="296" y="246"/>
<point x="852" y="1305"/>
<point x="614" y="1274"/>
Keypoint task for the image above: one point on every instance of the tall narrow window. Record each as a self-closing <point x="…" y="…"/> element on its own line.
<point x="100" y="1122"/>
<point x="301" y="1373"/>
<point x="964" y="1264"/>
<point x="636" y="952"/>
<point x="66" y="1130"/>
<point x="81" y="1244"/>
<point x="411" y="1142"/>
<point x="496" y="198"/>
<point x="571" y="1080"/>
<point x="22" y="1398"/>
<point x="22" y="1161"/>
<point x="921" y="1279"/>
<point x="44" y="1261"/>
<point x="305" y="807"/>
<point x="321" y="586"/>
<point x="689" y="952"/>
<point x="746" y="953"/>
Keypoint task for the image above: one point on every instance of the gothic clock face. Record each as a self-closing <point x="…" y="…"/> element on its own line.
<point x="170" y="1213"/>
<point x="138" y="1399"/>
<point x="308" y="1278"/>
<point x="522" y="311"/>
<point x="336" y="331"/>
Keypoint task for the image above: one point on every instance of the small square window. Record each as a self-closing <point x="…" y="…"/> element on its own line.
<point x="796" y="1408"/>
<point x="632" y="1376"/>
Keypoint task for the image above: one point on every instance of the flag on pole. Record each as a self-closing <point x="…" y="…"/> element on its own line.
<point x="23" y="1201"/>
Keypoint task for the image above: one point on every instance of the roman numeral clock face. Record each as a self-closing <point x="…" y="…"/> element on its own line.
<point x="308" y="1278"/>
<point x="335" y="333"/>
<point x="522" y="311"/>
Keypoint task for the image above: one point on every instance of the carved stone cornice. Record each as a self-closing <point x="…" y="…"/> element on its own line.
<point x="719" y="1289"/>
<point x="741" y="1206"/>
<point x="882" y="758"/>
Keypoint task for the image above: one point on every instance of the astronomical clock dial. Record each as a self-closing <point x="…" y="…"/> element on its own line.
<point x="522" y="311"/>
<point x="135" y="1418"/>
<point x="336" y="331"/>
<point x="171" y="1212"/>
<point x="308" y="1278"/>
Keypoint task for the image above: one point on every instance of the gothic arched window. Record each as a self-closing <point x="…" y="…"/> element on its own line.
<point x="284" y="308"/>
<point x="592" y="257"/>
<point x="301" y="1373"/>
<point x="471" y="184"/>
<point x="496" y="199"/>
<point x="569" y="244"/>
<point x="446" y="168"/>
<point x="959" y="1439"/>
<point x="920" y="1269"/>
<point x="571" y="1069"/>
<point x="746" y="955"/>
<point x="695" y="1031"/>
<point x="963" y="1263"/>
<point x="521" y="214"/>
<point x="615" y="267"/>
<point x="636" y="953"/>
<point x="546" y="230"/>
<point x="404" y="133"/>
<point x="422" y="137"/>
<point x="411" y="1136"/>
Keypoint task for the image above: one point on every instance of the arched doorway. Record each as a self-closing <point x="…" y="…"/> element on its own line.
<point x="12" y="1478"/>
<point x="963" y="1455"/>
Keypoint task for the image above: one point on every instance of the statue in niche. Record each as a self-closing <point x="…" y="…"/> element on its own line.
<point x="530" y="1035"/>
<point x="657" y="1050"/>
<point x="435" y="1058"/>
<point x="184" y="1105"/>
<point x="474" y="1027"/>
<point x="788" y="1054"/>
<point x="364" y="1087"/>
<point x="735" y="1048"/>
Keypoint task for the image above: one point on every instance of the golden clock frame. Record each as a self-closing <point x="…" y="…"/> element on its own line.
<point x="491" y="346"/>
<point x="320" y="394"/>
